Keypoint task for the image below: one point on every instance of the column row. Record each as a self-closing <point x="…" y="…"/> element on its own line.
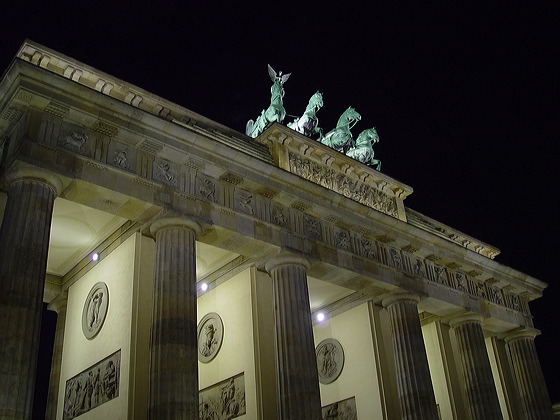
<point x="173" y="349"/>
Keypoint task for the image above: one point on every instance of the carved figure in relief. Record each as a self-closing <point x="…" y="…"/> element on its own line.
<point x="481" y="290"/>
<point x="363" y="149"/>
<point x="207" y="189"/>
<point x="165" y="171"/>
<point x="329" y="365"/>
<point x="210" y="342"/>
<point x="342" y="240"/>
<point x="278" y="216"/>
<point x="441" y="275"/>
<point x="312" y="227"/>
<point x="332" y="413"/>
<point x="275" y="112"/>
<point x="515" y="303"/>
<point x="308" y="123"/>
<point x="395" y="258"/>
<point x="461" y="282"/>
<point x="93" y="310"/>
<point x="368" y="249"/>
<point x="110" y="380"/>
<point x="75" y="140"/>
<point x="230" y="406"/>
<point x="419" y="268"/>
<point x="121" y="159"/>
<point x="244" y="201"/>
<point x="340" y="138"/>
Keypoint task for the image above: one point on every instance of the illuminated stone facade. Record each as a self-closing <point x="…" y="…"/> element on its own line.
<point x="279" y="228"/>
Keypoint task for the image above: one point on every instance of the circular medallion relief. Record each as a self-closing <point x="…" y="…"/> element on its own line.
<point x="95" y="310"/>
<point x="330" y="360"/>
<point x="210" y="335"/>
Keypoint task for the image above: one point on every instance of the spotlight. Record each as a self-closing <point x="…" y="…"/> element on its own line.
<point x="204" y="287"/>
<point x="95" y="257"/>
<point x="320" y="317"/>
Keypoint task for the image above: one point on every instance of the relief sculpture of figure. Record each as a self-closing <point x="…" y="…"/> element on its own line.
<point x="308" y="124"/>
<point x="110" y="380"/>
<point x="230" y="407"/>
<point x="340" y="138"/>
<point x="93" y="315"/>
<point x="363" y="150"/>
<point x="275" y="112"/>
<point x="329" y="364"/>
<point x="210" y="342"/>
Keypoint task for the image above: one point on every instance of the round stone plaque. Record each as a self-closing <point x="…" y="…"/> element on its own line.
<point x="210" y="336"/>
<point x="330" y="360"/>
<point x="95" y="310"/>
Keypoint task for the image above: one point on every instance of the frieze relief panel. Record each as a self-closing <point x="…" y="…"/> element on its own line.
<point x="75" y="139"/>
<point x="206" y="188"/>
<point x="165" y="172"/>
<point x="122" y="156"/>
<point x="244" y="201"/>
<point x="343" y="184"/>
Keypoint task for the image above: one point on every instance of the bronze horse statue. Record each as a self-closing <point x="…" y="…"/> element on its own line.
<point x="308" y="123"/>
<point x="363" y="150"/>
<point x="340" y="138"/>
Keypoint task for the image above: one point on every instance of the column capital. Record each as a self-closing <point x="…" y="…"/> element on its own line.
<point x="59" y="302"/>
<point x="400" y="297"/>
<point x="175" y="222"/>
<point x="286" y="258"/>
<point x="518" y="334"/>
<point x="30" y="173"/>
<point x="464" y="318"/>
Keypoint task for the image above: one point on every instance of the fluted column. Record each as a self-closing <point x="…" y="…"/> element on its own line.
<point x="479" y="383"/>
<point x="414" y="382"/>
<point x="173" y="347"/>
<point x="530" y="380"/>
<point x="24" y="239"/>
<point x="59" y="306"/>
<point x="297" y="378"/>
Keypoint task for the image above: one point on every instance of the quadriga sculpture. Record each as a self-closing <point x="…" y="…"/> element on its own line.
<point x="275" y="112"/>
<point x="340" y="138"/>
<point x="308" y="124"/>
<point x="363" y="150"/>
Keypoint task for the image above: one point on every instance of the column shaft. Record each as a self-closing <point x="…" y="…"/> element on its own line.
<point x="297" y="377"/>
<point x="479" y="382"/>
<point x="173" y="348"/>
<point x="530" y="379"/>
<point x="24" y="236"/>
<point x="58" y="305"/>
<point x="414" y="382"/>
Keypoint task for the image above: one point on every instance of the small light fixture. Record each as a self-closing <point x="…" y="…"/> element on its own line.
<point x="204" y="287"/>
<point x="95" y="257"/>
<point x="320" y="316"/>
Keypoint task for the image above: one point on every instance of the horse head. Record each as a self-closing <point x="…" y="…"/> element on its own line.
<point x="367" y="137"/>
<point x="349" y="118"/>
<point x="316" y="100"/>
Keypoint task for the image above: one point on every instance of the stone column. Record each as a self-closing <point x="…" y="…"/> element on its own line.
<point x="296" y="365"/>
<point x="479" y="383"/>
<point x="24" y="239"/>
<point x="173" y="346"/>
<point x="530" y="380"/>
<point x="414" y="383"/>
<point x="59" y="306"/>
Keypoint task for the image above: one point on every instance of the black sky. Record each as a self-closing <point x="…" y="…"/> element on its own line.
<point x="464" y="95"/>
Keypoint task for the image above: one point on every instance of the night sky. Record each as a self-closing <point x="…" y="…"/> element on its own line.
<point x="464" y="96"/>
